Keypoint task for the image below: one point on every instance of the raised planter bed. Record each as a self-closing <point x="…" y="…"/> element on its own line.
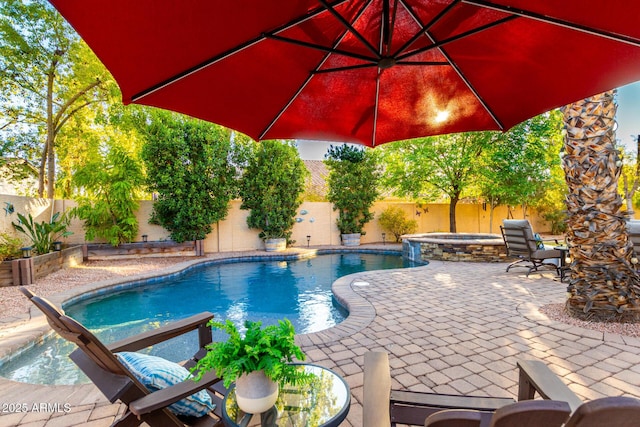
<point x="25" y="271"/>
<point x="144" y="249"/>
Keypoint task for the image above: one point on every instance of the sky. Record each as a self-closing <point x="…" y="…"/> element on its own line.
<point x="627" y="116"/>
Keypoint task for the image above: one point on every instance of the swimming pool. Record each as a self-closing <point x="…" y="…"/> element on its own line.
<point x="299" y="290"/>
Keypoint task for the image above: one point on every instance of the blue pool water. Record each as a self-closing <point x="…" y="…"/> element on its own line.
<point x="299" y="290"/>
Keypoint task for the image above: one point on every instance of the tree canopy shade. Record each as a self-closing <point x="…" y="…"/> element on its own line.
<point x="271" y="187"/>
<point x="189" y="166"/>
<point x="47" y="76"/>
<point x="426" y="168"/>
<point x="519" y="167"/>
<point x="111" y="189"/>
<point x="503" y="168"/>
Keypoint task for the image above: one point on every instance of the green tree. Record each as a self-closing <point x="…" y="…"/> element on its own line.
<point x="353" y="179"/>
<point x="521" y="165"/>
<point x="47" y="75"/>
<point x="271" y="187"/>
<point x="395" y="221"/>
<point x="427" y="168"/>
<point x="189" y="165"/>
<point x="110" y="185"/>
<point x="631" y="178"/>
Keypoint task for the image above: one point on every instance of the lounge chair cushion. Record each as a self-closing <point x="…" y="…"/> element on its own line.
<point x="157" y="373"/>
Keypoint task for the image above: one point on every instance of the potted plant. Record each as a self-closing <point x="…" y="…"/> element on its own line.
<point x="258" y="362"/>
<point x="271" y="187"/>
<point x="353" y="187"/>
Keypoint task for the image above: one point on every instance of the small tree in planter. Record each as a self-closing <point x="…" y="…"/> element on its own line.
<point x="271" y="187"/>
<point x="353" y="186"/>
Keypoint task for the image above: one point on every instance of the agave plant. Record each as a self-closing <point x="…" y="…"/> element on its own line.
<point x="43" y="234"/>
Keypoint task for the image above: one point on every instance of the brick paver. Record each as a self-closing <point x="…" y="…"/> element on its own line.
<point x="448" y="328"/>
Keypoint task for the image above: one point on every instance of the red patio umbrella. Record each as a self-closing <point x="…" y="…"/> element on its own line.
<point x="365" y="71"/>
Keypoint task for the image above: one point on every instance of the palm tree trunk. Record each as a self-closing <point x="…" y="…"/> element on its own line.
<point x="603" y="283"/>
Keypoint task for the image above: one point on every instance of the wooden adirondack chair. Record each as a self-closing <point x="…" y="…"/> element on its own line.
<point x="116" y="382"/>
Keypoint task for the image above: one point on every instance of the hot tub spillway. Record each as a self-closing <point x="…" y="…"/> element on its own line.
<point x="475" y="247"/>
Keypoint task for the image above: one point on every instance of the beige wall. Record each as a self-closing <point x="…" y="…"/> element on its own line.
<point x="319" y="222"/>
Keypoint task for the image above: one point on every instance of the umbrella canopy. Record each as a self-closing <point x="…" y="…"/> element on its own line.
<point x="364" y="71"/>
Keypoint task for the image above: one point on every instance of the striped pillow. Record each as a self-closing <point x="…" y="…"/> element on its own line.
<point x="157" y="373"/>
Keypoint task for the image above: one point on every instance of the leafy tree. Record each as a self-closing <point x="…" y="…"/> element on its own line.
<point x="631" y="178"/>
<point x="111" y="188"/>
<point x="271" y="186"/>
<point x="189" y="164"/>
<point x="353" y="179"/>
<point x="426" y="168"/>
<point x="394" y="220"/>
<point x="518" y="167"/>
<point x="47" y="76"/>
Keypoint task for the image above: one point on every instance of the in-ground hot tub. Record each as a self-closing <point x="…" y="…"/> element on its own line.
<point x="476" y="247"/>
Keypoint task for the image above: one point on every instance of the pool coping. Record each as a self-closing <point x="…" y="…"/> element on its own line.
<point x="29" y="329"/>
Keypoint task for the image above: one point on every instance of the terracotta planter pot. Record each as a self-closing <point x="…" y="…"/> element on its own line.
<point x="255" y="393"/>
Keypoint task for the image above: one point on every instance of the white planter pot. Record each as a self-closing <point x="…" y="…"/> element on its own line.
<point x="351" y="239"/>
<point x="255" y="393"/>
<point x="275" y="245"/>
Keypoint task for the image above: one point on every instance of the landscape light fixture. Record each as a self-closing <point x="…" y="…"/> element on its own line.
<point x="26" y="252"/>
<point x="384" y="238"/>
<point x="308" y="240"/>
<point x="57" y="246"/>
<point x="144" y="238"/>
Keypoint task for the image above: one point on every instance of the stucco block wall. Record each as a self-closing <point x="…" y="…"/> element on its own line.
<point x="319" y="222"/>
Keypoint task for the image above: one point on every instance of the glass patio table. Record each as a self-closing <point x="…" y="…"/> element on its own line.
<point x="323" y="402"/>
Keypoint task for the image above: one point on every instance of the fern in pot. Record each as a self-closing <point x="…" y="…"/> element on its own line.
<point x="258" y="362"/>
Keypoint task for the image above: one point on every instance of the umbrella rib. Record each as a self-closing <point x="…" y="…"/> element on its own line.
<point x="321" y="48"/>
<point x="439" y="44"/>
<point x="311" y="74"/>
<point x="350" y="28"/>
<point x="472" y="89"/>
<point x="179" y="76"/>
<point x="422" y="63"/>
<point x="555" y="21"/>
<point x="423" y="28"/>
<point x="375" y="110"/>
<point x="391" y="27"/>
<point x="349" y="68"/>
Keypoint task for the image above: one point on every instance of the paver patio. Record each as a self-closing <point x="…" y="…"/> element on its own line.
<point x="449" y="328"/>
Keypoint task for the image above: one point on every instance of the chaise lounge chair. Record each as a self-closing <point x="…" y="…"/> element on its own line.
<point x="520" y="242"/>
<point x="117" y="378"/>
<point x="633" y="227"/>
